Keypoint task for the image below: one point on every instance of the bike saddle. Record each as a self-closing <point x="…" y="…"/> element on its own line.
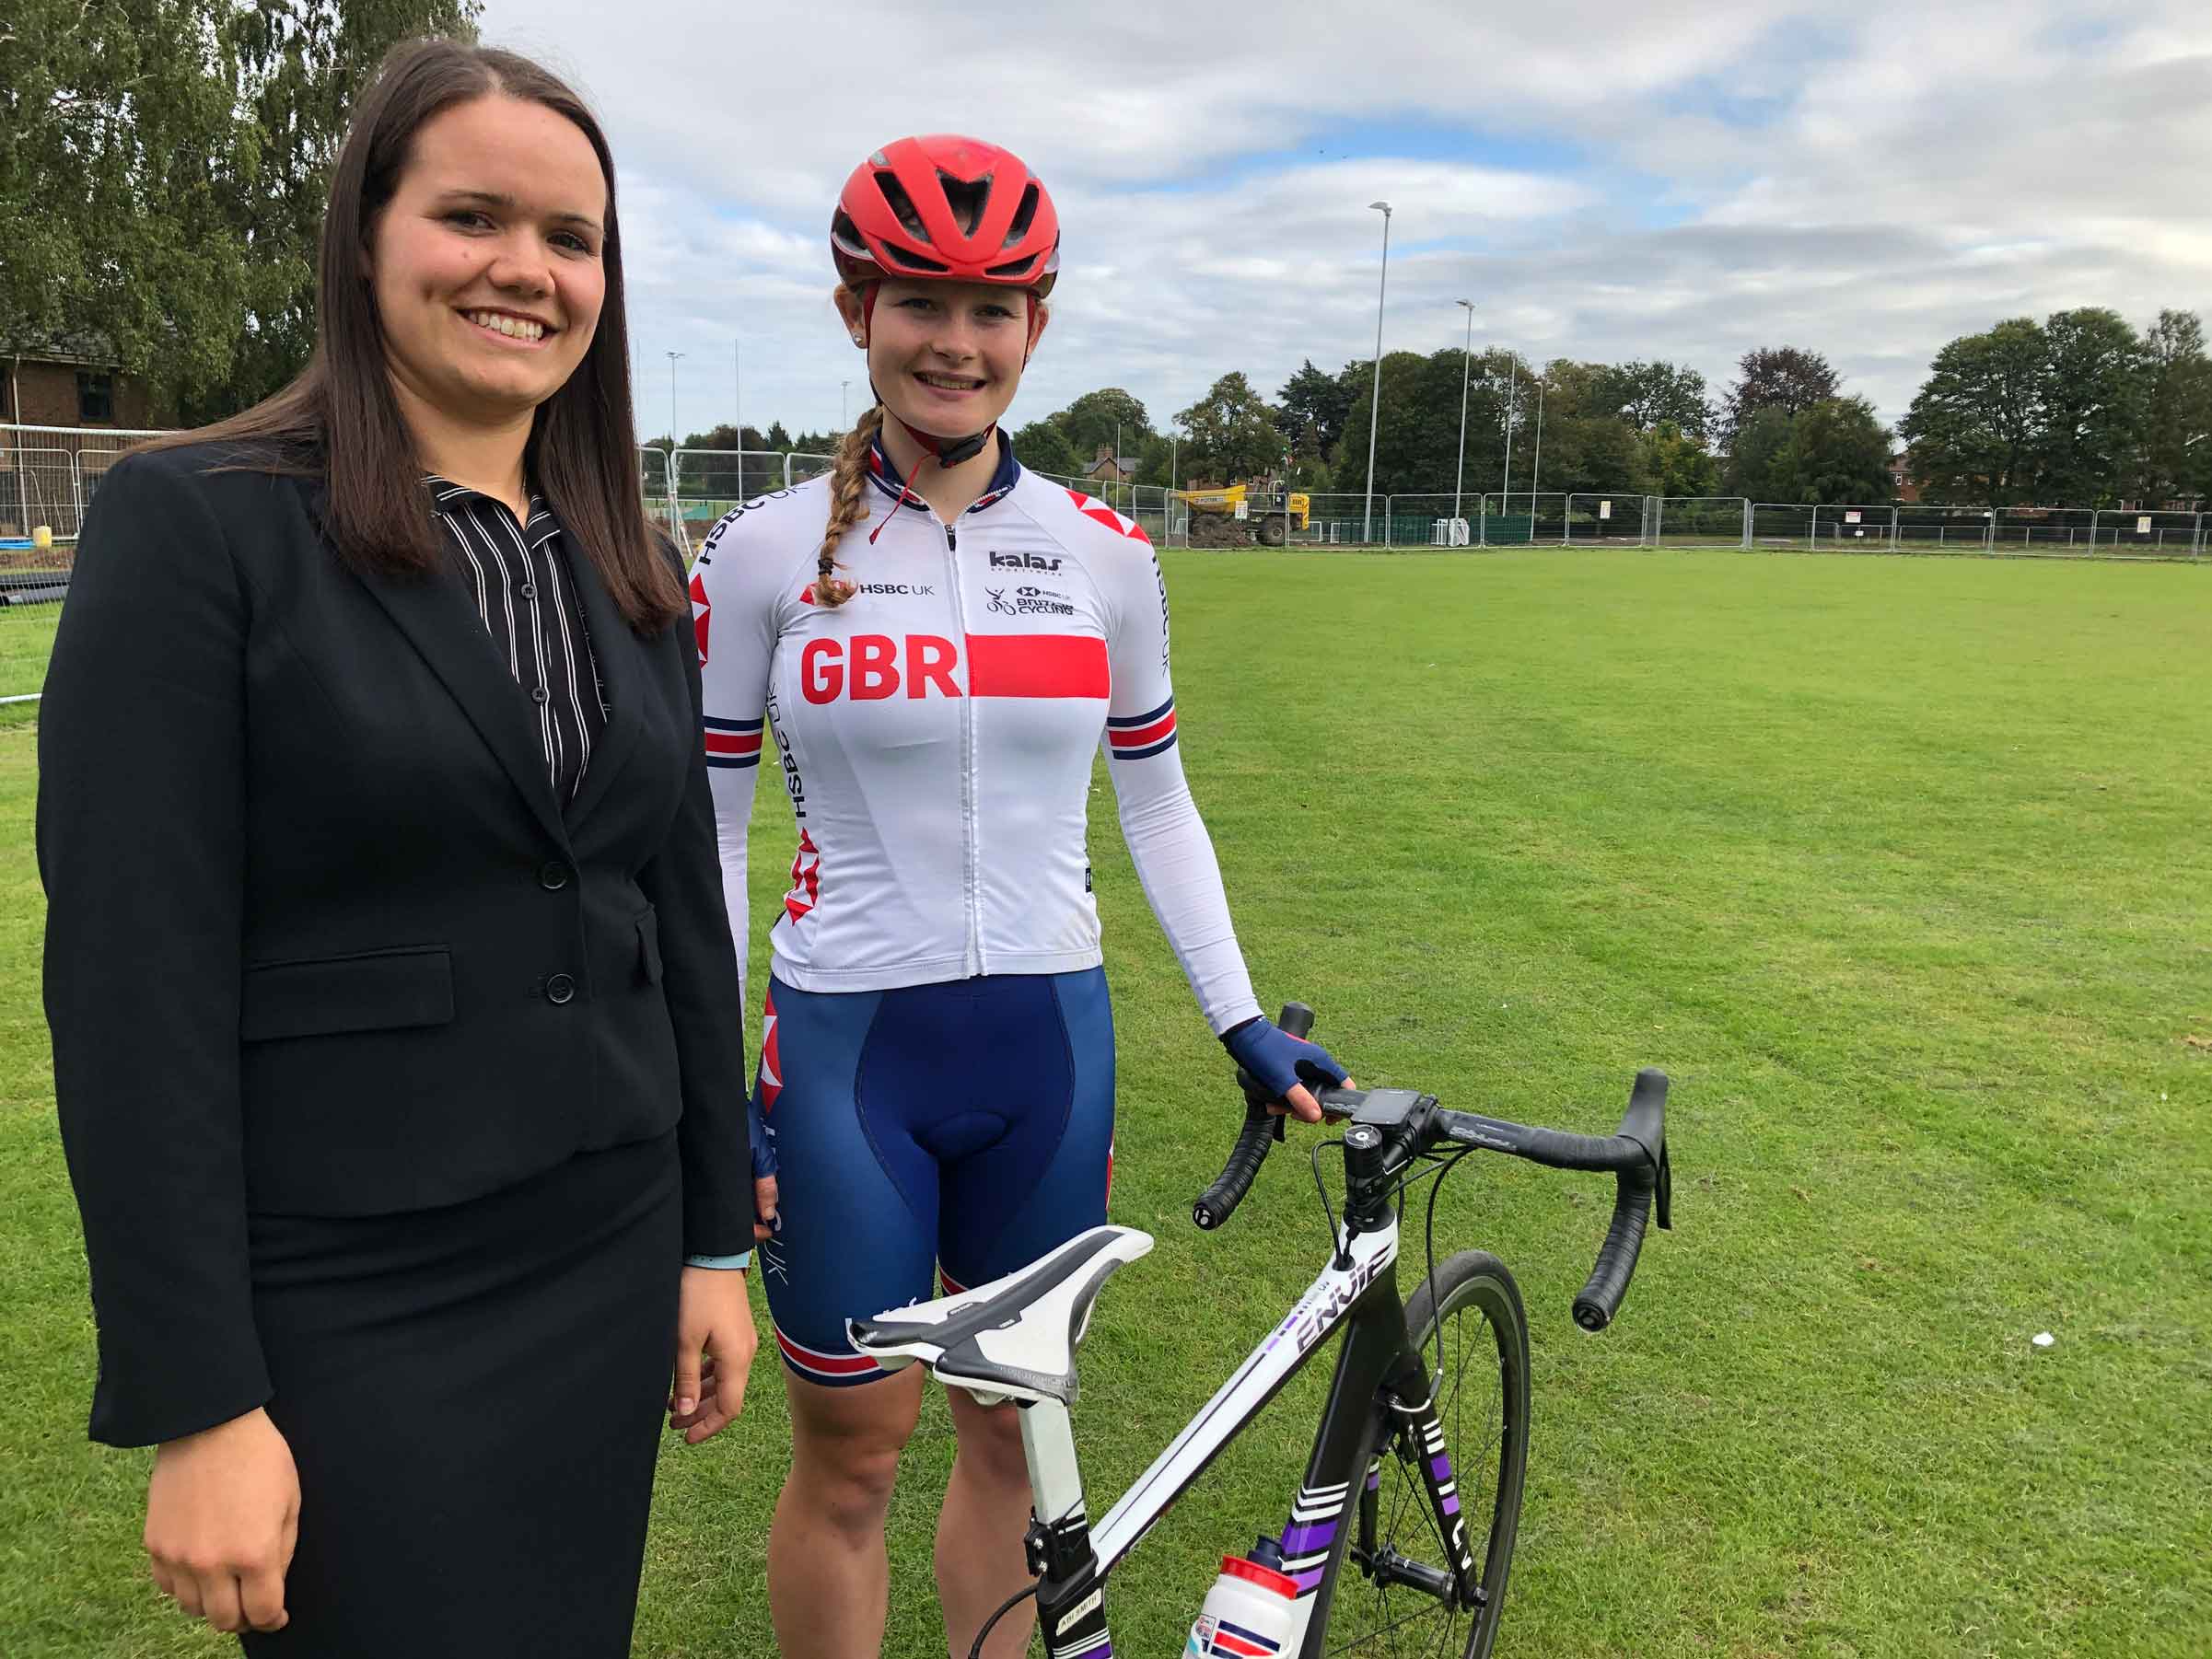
<point x="1014" y="1337"/>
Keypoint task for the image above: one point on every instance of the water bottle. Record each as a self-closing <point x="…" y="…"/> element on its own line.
<point x="1249" y="1611"/>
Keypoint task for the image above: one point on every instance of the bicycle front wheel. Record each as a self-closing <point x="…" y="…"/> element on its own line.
<point x="1394" y="1592"/>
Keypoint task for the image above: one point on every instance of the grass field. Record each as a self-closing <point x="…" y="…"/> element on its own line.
<point x="1901" y="868"/>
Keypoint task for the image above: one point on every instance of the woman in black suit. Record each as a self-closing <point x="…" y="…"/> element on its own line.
<point x="395" y="1015"/>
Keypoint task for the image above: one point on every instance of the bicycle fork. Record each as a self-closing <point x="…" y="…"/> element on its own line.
<point x="1419" y="1431"/>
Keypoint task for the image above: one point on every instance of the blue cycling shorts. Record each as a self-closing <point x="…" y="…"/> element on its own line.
<point x="965" y="1126"/>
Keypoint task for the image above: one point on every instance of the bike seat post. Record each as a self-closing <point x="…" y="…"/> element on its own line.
<point x="1048" y="1446"/>
<point x="1071" y="1610"/>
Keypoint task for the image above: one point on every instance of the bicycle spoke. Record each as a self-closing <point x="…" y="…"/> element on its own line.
<point x="1396" y="1624"/>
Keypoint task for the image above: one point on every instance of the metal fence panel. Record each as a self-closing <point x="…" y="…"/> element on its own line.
<point x="1521" y="518"/>
<point x="1925" y="528"/>
<point x="2054" y="532"/>
<point x="1781" y="524"/>
<point x="2156" y="535"/>
<point x="1844" y="528"/>
<point x="660" y="498"/>
<point x="1700" y="521"/>
<point x="1602" y="520"/>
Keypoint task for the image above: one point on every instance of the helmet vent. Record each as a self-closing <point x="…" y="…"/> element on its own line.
<point x="966" y="198"/>
<point x="1023" y="215"/>
<point x="903" y="206"/>
<point x="1012" y="269"/>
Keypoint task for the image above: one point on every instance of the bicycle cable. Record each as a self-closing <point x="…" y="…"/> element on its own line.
<point x="1444" y="1166"/>
<point x="1322" y="1188"/>
<point x="1006" y="1606"/>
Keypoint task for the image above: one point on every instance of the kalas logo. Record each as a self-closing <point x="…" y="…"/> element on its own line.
<point x="1022" y="562"/>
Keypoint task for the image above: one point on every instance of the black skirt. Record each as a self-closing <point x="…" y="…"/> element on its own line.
<point x="473" y="1396"/>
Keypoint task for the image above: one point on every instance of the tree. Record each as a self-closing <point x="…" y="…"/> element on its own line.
<point x="1090" y="421"/>
<point x="1229" y="433"/>
<point x="778" y="439"/>
<point x="1676" y="463"/>
<point x="1647" y="394"/>
<point x="725" y="436"/>
<point x="303" y="64"/>
<point x="1836" y="452"/>
<point x="1311" y="398"/>
<point x="2177" y="426"/>
<point x="1975" y="428"/>
<point x="162" y="171"/>
<point x="1417" y="441"/>
<point x="1782" y="377"/>
<point x="1756" y="467"/>
<point x="2093" y="406"/>
<point x="1044" y="448"/>
<point x="118" y="152"/>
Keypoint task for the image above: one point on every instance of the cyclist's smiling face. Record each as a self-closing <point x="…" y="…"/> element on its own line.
<point x="946" y="357"/>
<point x="486" y="261"/>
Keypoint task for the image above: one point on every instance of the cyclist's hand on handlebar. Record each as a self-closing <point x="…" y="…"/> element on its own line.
<point x="1283" y="1065"/>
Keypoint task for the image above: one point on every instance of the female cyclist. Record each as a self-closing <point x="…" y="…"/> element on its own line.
<point x="931" y="643"/>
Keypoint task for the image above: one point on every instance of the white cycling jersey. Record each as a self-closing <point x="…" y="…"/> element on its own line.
<point x="936" y="732"/>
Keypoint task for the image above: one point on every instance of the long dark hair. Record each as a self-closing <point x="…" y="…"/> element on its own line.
<point x="340" y="421"/>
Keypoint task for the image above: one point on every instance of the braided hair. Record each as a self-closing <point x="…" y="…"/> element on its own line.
<point x="848" y="506"/>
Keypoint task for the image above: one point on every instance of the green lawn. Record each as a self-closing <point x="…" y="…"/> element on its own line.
<point x="26" y="639"/>
<point x="1901" y="868"/>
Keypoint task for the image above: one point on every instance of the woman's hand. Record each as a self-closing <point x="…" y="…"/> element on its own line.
<point x="222" y="1517"/>
<point x="714" y="1345"/>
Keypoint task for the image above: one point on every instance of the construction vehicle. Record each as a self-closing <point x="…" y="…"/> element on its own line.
<point x="1237" y="514"/>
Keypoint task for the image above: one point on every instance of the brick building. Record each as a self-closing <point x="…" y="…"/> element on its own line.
<point x="73" y="382"/>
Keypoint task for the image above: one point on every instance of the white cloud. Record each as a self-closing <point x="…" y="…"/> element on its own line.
<point x="1605" y="179"/>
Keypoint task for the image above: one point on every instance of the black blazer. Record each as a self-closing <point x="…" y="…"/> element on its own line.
<point x="319" y="938"/>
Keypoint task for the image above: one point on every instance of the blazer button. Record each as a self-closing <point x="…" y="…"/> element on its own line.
<point x="553" y="875"/>
<point x="537" y="694"/>
<point x="560" y="989"/>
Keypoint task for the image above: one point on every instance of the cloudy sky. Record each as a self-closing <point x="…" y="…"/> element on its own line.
<point x="1604" y="178"/>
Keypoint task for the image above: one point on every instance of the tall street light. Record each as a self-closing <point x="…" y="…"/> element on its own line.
<point x="1536" y="467"/>
<point x="1466" y="363"/>
<point x="1504" y="487"/>
<point x="1367" y="531"/>
<point x="672" y="356"/>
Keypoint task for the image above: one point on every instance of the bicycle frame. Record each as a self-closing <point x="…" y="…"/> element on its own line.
<point x="1358" y="1291"/>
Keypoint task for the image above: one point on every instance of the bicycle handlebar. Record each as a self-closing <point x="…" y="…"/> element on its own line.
<point x="1636" y="1155"/>
<point x="1262" y="1130"/>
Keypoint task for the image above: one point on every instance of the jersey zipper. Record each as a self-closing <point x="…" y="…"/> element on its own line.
<point x="969" y="849"/>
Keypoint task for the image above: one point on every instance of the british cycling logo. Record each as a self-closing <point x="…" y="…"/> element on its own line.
<point x="1028" y="601"/>
<point x="1023" y="562"/>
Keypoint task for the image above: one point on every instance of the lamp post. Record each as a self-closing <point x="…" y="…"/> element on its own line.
<point x="1367" y="531"/>
<point x="1505" y="488"/>
<point x="672" y="356"/>
<point x="1466" y="367"/>
<point x="1536" y="465"/>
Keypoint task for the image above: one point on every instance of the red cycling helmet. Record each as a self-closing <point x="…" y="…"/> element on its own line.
<point x="948" y="209"/>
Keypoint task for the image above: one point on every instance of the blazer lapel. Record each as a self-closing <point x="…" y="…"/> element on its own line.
<point x="435" y="615"/>
<point x="619" y="656"/>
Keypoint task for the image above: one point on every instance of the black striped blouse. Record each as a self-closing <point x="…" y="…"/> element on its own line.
<point x="518" y="577"/>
